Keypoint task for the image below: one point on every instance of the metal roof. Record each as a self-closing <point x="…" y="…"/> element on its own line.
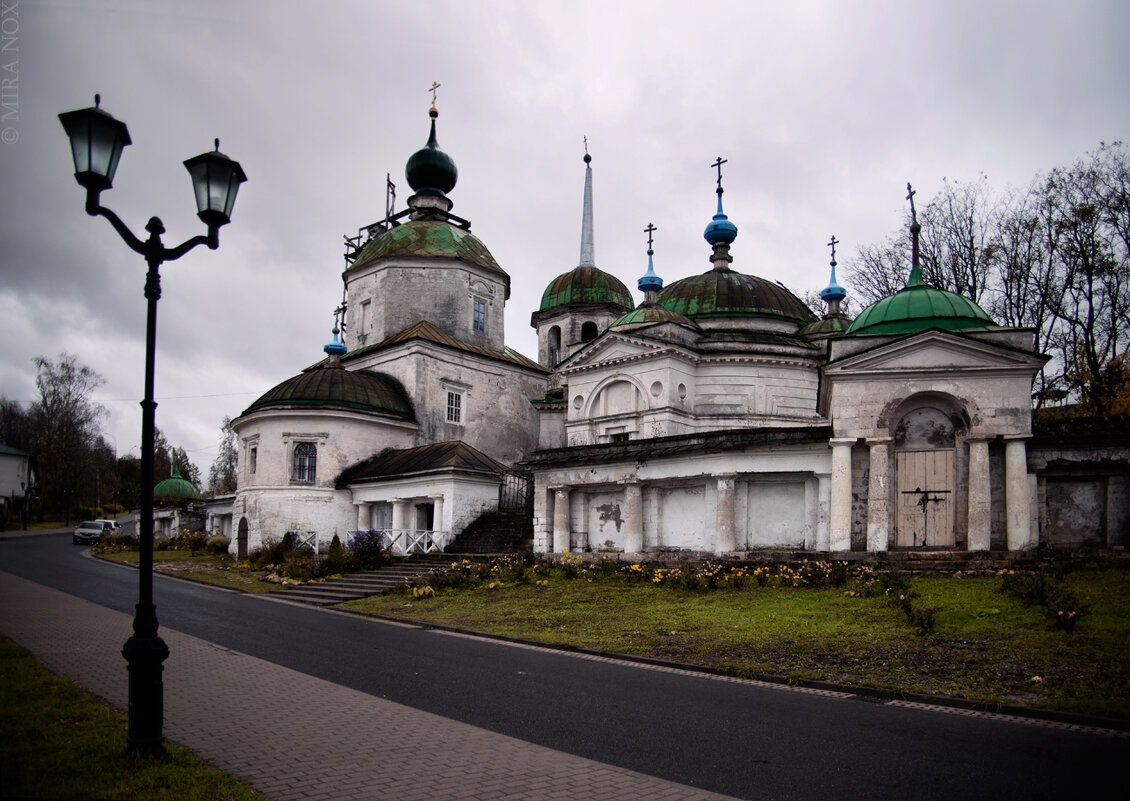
<point x="586" y="285"/>
<point x="391" y="464"/>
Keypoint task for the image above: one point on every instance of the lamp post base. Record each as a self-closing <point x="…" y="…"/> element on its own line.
<point x="145" y="652"/>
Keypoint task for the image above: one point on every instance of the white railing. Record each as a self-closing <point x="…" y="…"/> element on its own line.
<point x="404" y="541"/>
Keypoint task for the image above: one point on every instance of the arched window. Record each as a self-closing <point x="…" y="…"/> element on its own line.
<point x="305" y="462"/>
<point x="588" y="332"/>
<point x="554" y="342"/>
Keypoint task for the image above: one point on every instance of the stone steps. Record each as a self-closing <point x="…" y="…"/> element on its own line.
<point x="352" y="586"/>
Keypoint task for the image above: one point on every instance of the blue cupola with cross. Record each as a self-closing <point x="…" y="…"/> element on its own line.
<point x="720" y="231"/>
<point x="650" y="282"/>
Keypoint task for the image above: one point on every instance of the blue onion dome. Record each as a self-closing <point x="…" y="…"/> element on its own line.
<point x="335" y="348"/>
<point x="720" y="230"/>
<point x="430" y="171"/>
<point x="650" y="281"/>
<point x="833" y="292"/>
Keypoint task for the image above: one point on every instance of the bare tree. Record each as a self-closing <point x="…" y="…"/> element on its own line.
<point x="958" y="246"/>
<point x="1054" y="258"/>
<point x="222" y="475"/>
<point x="67" y="426"/>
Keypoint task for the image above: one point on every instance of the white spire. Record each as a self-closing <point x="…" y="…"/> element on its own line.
<point x="587" y="258"/>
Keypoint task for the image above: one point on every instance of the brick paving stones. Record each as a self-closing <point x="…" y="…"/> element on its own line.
<point x="293" y="736"/>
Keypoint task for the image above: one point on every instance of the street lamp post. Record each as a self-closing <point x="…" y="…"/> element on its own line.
<point x="97" y="140"/>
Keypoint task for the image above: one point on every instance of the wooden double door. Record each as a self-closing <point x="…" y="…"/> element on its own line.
<point x="925" y="498"/>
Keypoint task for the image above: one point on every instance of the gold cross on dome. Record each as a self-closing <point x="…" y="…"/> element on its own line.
<point x="432" y="89"/>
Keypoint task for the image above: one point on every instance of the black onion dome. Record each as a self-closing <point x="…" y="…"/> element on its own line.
<point x="333" y="387"/>
<point x="725" y="293"/>
<point x="430" y="171"/>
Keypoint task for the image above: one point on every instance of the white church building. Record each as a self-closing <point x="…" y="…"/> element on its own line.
<point x="717" y="415"/>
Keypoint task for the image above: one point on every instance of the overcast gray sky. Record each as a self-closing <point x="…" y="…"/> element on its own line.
<point x="825" y="110"/>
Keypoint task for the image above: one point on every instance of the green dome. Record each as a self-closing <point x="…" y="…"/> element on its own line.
<point x="920" y="307"/>
<point x="652" y="314"/>
<point x="586" y="285"/>
<point x="725" y="293"/>
<point x="430" y="239"/>
<point x="333" y="387"/>
<point x="176" y="488"/>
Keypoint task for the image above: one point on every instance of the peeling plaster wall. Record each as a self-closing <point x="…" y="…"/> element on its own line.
<point x="775" y="499"/>
<point x="440" y="291"/>
<point x="497" y="416"/>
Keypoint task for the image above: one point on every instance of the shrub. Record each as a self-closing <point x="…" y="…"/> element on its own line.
<point x="271" y="552"/>
<point x="114" y="543"/>
<point x="217" y="545"/>
<point x="368" y="551"/>
<point x="189" y="541"/>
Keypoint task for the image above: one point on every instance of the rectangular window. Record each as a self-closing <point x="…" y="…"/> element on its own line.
<point x="454" y="407"/>
<point x="479" y="325"/>
<point x="253" y="460"/>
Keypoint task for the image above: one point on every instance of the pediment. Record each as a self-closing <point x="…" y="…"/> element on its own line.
<point x="935" y="351"/>
<point x="611" y="349"/>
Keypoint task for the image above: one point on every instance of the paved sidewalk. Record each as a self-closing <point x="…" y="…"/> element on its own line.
<point x="292" y="736"/>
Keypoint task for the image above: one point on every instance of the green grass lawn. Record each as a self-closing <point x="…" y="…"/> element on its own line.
<point x="212" y="568"/>
<point x="61" y="742"/>
<point x="986" y="646"/>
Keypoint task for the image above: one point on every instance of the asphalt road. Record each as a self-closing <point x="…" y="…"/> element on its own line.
<point x="745" y="741"/>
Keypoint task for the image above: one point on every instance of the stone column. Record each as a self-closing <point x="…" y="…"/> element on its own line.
<point x="839" y="513"/>
<point x="879" y="494"/>
<point x="437" y="512"/>
<point x="1017" y="507"/>
<point x="560" y="519"/>
<point x="980" y="503"/>
<point x="364" y="516"/>
<point x="725" y="539"/>
<point x="399" y="512"/>
<point x="633" y="518"/>
<point x="823" y="507"/>
<point x="580" y="521"/>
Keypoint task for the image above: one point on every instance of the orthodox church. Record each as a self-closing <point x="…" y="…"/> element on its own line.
<point x="717" y="415"/>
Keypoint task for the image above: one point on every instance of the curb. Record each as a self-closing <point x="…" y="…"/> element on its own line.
<point x="859" y="692"/>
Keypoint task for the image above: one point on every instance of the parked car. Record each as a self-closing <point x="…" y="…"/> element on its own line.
<point x="109" y="526"/>
<point x="89" y="532"/>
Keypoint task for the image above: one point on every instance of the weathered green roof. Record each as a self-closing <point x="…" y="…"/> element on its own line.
<point x="653" y="314"/>
<point x="920" y="307"/>
<point x="333" y="387"/>
<point x="827" y="326"/>
<point x="726" y="293"/>
<point x="176" y="488"/>
<point x="586" y="285"/>
<point x="432" y="239"/>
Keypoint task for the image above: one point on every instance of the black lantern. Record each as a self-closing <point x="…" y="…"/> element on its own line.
<point x="97" y="140"/>
<point x="216" y="179"/>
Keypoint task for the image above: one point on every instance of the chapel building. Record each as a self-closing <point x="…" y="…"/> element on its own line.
<point x="717" y="415"/>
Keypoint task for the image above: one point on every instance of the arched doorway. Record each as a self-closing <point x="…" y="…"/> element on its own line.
<point x="241" y="540"/>
<point x="925" y="443"/>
